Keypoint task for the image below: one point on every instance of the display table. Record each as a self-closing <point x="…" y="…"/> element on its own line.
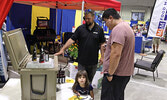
<point x="140" y="44"/>
<point x="146" y="42"/>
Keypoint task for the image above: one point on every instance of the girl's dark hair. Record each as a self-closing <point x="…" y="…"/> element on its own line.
<point x="79" y="74"/>
<point x="111" y="12"/>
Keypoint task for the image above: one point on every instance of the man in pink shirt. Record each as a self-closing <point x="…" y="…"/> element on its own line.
<point x="118" y="63"/>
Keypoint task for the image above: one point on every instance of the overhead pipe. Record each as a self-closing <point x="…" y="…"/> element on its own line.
<point x="82" y="11"/>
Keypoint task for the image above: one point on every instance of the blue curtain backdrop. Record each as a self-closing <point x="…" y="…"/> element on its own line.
<point x="20" y="17"/>
<point x="138" y="44"/>
<point x="68" y="20"/>
<point x="133" y="22"/>
<point x="52" y="21"/>
<point x="59" y="13"/>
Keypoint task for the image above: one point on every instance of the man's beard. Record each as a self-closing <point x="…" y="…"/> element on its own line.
<point x="88" y="24"/>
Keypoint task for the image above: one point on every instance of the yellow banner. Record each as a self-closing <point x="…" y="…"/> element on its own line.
<point x="78" y="18"/>
<point x="141" y="22"/>
<point x="128" y="21"/>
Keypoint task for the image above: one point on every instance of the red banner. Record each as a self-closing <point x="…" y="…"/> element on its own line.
<point x="5" y="7"/>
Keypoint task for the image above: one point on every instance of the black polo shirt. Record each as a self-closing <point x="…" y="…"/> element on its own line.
<point x="88" y="43"/>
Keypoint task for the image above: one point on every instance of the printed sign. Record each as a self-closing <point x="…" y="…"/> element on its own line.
<point x="158" y="19"/>
<point x="161" y="28"/>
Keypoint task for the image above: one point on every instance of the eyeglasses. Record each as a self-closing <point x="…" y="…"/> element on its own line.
<point x="86" y="18"/>
<point x="105" y="21"/>
<point x="88" y="10"/>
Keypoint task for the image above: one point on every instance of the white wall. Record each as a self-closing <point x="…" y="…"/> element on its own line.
<point x="126" y="11"/>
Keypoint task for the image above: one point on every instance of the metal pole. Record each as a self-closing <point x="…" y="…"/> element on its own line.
<point x="56" y="22"/>
<point x="56" y="17"/>
<point x="82" y="11"/>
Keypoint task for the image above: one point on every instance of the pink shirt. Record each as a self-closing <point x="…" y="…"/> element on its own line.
<point x="122" y="34"/>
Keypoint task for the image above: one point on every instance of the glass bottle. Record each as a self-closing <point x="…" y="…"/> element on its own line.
<point x="46" y="56"/>
<point x="42" y="55"/>
<point x="34" y="56"/>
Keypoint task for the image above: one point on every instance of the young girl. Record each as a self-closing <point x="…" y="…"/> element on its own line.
<point x="82" y="85"/>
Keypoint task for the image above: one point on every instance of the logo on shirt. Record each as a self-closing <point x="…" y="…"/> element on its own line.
<point x="95" y="32"/>
<point x="83" y="91"/>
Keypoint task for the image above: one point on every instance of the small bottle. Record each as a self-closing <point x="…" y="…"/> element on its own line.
<point x="73" y="29"/>
<point x="34" y="56"/>
<point x="63" y="76"/>
<point x="59" y="76"/>
<point x="46" y="56"/>
<point x="42" y="55"/>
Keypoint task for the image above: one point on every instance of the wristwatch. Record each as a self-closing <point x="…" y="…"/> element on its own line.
<point x="109" y="75"/>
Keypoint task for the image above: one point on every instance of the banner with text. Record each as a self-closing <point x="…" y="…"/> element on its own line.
<point x="158" y="19"/>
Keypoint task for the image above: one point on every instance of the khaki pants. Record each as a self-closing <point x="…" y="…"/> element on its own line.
<point x="156" y="40"/>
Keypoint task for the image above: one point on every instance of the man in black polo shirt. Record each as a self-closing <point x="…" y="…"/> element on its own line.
<point x="90" y="38"/>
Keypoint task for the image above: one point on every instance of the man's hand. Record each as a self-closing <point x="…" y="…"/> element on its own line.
<point x="59" y="53"/>
<point x="110" y="78"/>
<point x="68" y="43"/>
<point x="102" y="50"/>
